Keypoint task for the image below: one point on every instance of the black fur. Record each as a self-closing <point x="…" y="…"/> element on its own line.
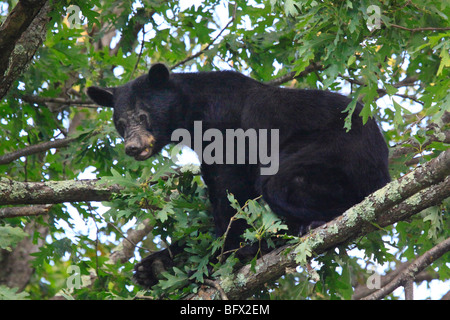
<point x="323" y="170"/>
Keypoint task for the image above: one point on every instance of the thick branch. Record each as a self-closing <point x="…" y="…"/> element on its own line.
<point x="16" y="23"/>
<point x="14" y="192"/>
<point x="125" y="250"/>
<point x="22" y="33"/>
<point x="425" y="186"/>
<point x="26" y="211"/>
<point x="274" y="265"/>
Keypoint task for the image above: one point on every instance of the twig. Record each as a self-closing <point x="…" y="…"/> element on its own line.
<point x="191" y="57"/>
<point x="225" y="235"/>
<point x="140" y="53"/>
<point x="136" y="23"/>
<point x="313" y="67"/>
<point x="232" y="219"/>
<point x="411" y="145"/>
<point x="420" y="29"/>
<point x="216" y="285"/>
<point x="33" y="149"/>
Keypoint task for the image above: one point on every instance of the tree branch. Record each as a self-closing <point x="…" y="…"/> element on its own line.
<point x="293" y="75"/>
<point x="361" y="290"/>
<point x="419" y="29"/>
<point x="62" y="101"/>
<point x="408" y="81"/>
<point x="22" y="33"/>
<point x="15" y="192"/>
<point x="125" y="250"/>
<point x="33" y="149"/>
<point x="192" y="57"/>
<point x="15" y="24"/>
<point x="406" y="277"/>
<point x="412" y="145"/>
<point x="26" y="211"/>
<point x="15" y="266"/>
<point x="136" y="23"/>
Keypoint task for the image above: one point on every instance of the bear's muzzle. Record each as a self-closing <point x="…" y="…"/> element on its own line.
<point x="140" y="146"/>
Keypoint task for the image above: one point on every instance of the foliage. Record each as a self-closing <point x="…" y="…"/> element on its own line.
<point x="11" y="294"/>
<point x="391" y="55"/>
<point x="10" y="236"/>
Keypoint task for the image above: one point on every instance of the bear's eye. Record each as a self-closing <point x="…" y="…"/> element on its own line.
<point x="143" y="118"/>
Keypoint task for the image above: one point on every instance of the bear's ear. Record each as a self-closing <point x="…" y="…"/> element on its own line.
<point x="102" y="97"/>
<point x="158" y="75"/>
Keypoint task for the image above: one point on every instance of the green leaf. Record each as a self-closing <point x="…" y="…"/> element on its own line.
<point x="117" y="178"/>
<point x="303" y="252"/>
<point x="164" y="213"/>
<point x="435" y="219"/>
<point x="7" y="293"/>
<point x="351" y="60"/>
<point x="174" y="281"/>
<point x="445" y="60"/>
<point x="349" y="111"/>
<point x="398" y="119"/>
<point x="164" y="169"/>
<point x="290" y="8"/>
<point x="10" y="236"/>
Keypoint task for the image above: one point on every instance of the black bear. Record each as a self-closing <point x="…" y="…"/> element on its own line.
<point x="321" y="171"/>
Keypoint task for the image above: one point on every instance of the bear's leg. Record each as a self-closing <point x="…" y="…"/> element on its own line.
<point x="147" y="271"/>
<point x="222" y="180"/>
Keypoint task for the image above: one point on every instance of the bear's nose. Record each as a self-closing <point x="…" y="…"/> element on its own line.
<point x="132" y="149"/>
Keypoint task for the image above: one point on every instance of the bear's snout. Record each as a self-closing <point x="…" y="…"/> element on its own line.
<point x="140" y="147"/>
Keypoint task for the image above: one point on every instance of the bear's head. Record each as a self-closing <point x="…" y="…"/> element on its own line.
<point x="143" y="110"/>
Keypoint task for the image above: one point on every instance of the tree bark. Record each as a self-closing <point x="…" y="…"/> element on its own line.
<point x="15" y="266"/>
<point x="51" y="192"/>
<point x="26" y="211"/>
<point x="22" y="33"/>
<point x="36" y="148"/>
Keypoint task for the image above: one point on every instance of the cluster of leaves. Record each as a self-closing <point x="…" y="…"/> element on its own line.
<point x="176" y="205"/>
